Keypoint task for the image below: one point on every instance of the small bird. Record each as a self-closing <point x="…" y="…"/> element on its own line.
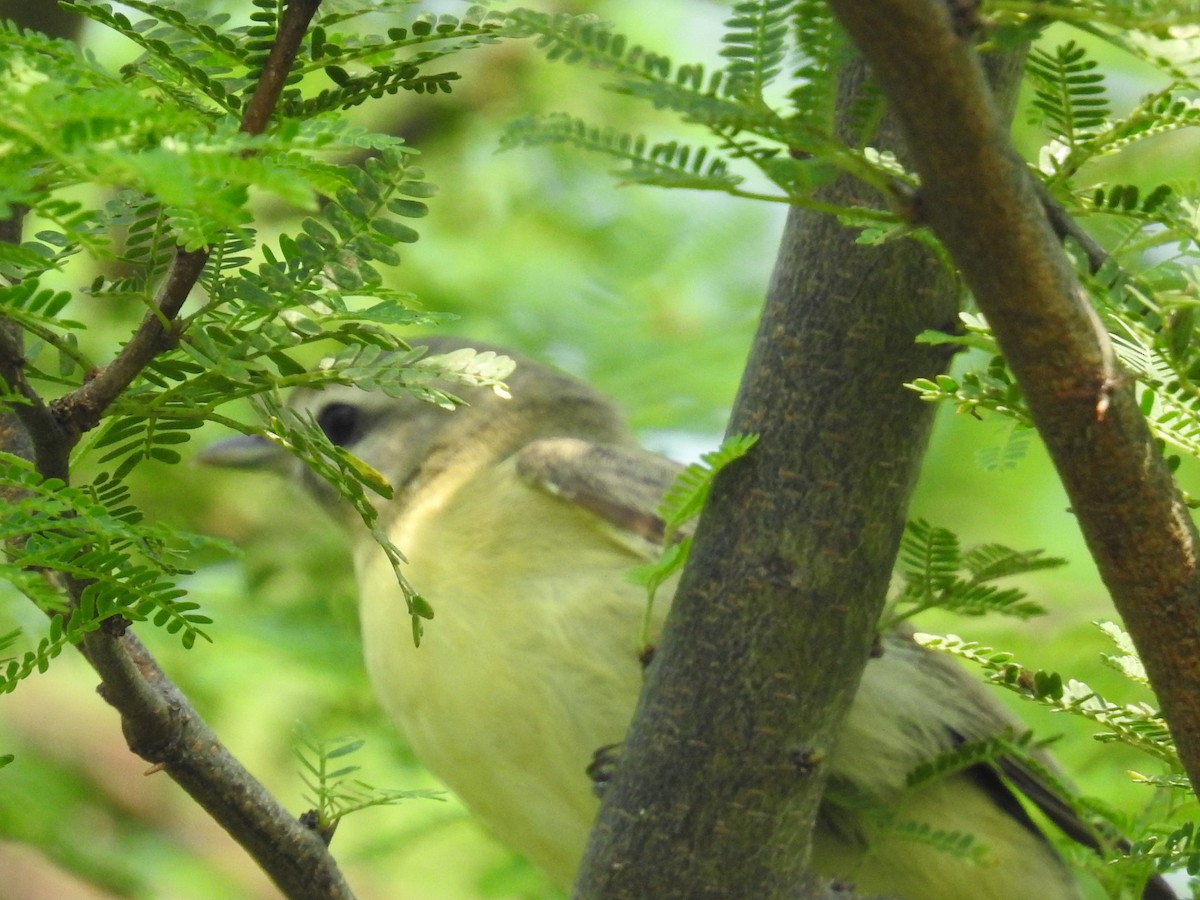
<point x="520" y="516"/>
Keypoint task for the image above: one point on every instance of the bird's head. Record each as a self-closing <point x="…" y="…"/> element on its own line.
<point x="409" y="439"/>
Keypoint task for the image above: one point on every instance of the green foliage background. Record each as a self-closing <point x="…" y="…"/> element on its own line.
<point x="651" y="295"/>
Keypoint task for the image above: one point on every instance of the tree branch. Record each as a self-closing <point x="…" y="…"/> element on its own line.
<point x="1066" y="227"/>
<point x="981" y="201"/>
<point x="162" y="727"/>
<point x="158" y="721"/>
<point x="723" y="771"/>
<point x="28" y="428"/>
<point x="47" y="444"/>
<point x="80" y="411"/>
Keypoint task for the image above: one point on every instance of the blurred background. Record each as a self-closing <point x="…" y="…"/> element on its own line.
<point x="651" y="295"/>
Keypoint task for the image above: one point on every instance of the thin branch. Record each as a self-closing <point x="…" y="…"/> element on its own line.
<point x="80" y="411"/>
<point x="1065" y="226"/>
<point x="158" y="721"/>
<point x="162" y="727"/>
<point x="292" y="28"/>
<point x="981" y="201"/>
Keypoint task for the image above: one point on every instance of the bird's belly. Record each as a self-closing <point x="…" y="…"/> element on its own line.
<point x="509" y="707"/>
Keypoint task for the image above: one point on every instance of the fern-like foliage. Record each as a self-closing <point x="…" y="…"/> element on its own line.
<point x="1177" y="849"/>
<point x="1138" y="724"/>
<point x="1160" y="349"/>
<point x="162" y="139"/>
<point x="988" y="751"/>
<point x="666" y="164"/>
<point x="1125" y="660"/>
<point x="991" y="389"/>
<point x="1011" y="755"/>
<point x="1008" y="454"/>
<point x="938" y="573"/>
<point x="824" y="49"/>
<point x="1171" y="109"/>
<point x="687" y="495"/>
<point x="1070" y="93"/>
<point x="794" y="147"/>
<point x="334" y="791"/>
<point x="94" y="535"/>
<point x="167" y="127"/>
<point x="956" y="844"/>
<point x="682" y="503"/>
<point x="755" y="44"/>
<point x="796" y="152"/>
<point x="1124" y="868"/>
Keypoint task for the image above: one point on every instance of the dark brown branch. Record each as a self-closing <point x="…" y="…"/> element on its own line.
<point x="29" y="429"/>
<point x="81" y="410"/>
<point x="980" y="199"/>
<point x="47" y="444"/>
<point x="292" y="29"/>
<point x="161" y="726"/>
<point x="1066" y="227"/>
<point x="11" y="226"/>
<point x="158" y="721"/>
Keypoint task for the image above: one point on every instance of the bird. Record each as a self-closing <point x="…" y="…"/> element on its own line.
<point x="519" y="514"/>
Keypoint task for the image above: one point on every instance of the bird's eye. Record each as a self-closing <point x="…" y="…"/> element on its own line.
<point x="340" y="423"/>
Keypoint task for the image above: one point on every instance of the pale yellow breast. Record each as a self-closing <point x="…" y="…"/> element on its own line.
<point x="529" y="666"/>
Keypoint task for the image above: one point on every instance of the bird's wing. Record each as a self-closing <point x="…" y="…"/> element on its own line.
<point x="976" y="714"/>
<point x="622" y="485"/>
<point x="1042" y="793"/>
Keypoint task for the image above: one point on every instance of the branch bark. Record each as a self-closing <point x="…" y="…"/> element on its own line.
<point x="80" y="411"/>
<point x="722" y="773"/>
<point x="28" y="428"/>
<point x="981" y="201"/>
<point x="162" y="727"/>
<point x="158" y="721"/>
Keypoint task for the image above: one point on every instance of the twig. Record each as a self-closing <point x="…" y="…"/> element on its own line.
<point x="81" y="410"/>
<point x="161" y="726"/>
<point x="292" y="29"/>
<point x="1066" y="227"/>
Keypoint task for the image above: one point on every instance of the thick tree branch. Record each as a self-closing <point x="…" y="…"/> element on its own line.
<point x="47" y="444"/>
<point x="723" y="771"/>
<point x="28" y="427"/>
<point x="981" y="201"/>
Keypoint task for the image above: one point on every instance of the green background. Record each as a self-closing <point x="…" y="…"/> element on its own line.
<point x="651" y="295"/>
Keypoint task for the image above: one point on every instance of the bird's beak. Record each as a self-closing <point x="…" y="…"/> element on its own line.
<point x="245" y="451"/>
